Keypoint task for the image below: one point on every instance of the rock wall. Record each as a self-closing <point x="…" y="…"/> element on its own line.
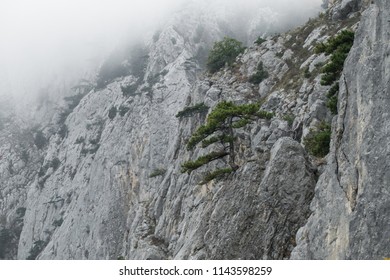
<point x="351" y="202"/>
<point x="108" y="182"/>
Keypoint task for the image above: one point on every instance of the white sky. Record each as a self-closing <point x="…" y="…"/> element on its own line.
<point x="39" y="37"/>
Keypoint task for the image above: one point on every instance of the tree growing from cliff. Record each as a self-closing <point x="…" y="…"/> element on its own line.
<point x="222" y="53"/>
<point x="219" y="130"/>
<point x="338" y="47"/>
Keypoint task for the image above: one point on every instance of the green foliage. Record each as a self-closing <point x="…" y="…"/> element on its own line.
<point x="217" y="174"/>
<point x="318" y="140"/>
<point x="260" y="75"/>
<point x="112" y="112"/>
<point x="190" y="166"/>
<point x="219" y="129"/>
<point x="215" y="139"/>
<point x="157" y="172"/>
<point x="307" y="73"/>
<point x="338" y="47"/>
<point x="191" y="110"/>
<point x="289" y="119"/>
<point x="224" y="116"/>
<point x="332" y="98"/>
<point x="343" y="40"/>
<point x="259" y="41"/>
<point x="222" y="53"/>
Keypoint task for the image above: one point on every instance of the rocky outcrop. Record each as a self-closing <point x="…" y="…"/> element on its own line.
<point x="19" y="165"/>
<point x="351" y="203"/>
<point x="95" y="196"/>
<point x="107" y="182"/>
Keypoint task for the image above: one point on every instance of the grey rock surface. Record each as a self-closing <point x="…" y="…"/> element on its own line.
<point x="92" y="191"/>
<point x="351" y="206"/>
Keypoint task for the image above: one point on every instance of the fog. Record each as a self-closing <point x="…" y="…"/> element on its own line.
<point x="59" y="40"/>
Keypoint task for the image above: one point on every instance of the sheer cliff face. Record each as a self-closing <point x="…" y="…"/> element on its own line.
<point x="351" y="204"/>
<point x="94" y="196"/>
<point x="90" y="191"/>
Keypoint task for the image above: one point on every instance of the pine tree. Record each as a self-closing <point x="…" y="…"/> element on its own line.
<point x="219" y="130"/>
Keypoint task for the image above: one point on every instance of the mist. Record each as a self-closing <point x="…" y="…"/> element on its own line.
<point x="46" y="41"/>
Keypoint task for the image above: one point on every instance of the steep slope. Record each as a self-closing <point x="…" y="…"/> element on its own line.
<point x="95" y="198"/>
<point x="351" y="207"/>
<point x="110" y="184"/>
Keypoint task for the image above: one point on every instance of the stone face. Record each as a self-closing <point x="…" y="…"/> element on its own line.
<point x="351" y="204"/>
<point x="90" y="192"/>
<point x="245" y="217"/>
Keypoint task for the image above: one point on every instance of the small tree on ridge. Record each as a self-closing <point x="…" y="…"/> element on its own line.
<point x="219" y="130"/>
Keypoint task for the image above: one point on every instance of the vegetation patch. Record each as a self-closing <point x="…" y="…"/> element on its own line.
<point x="260" y="75"/>
<point x="289" y="118"/>
<point x="318" y="140"/>
<point x="191" y="110"/>
<point x="338" y="47"/>
<point x="260" y="40"/>
<point x="219" y="130"/>
<point x="217" y="174"/>
<point x="157" y="172"/>
<point x="224" y="52"/>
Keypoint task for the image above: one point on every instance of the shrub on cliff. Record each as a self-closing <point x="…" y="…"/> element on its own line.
<point x="338" y="47"/>
<point x="222" y="53"/>
<point x="219" y="131"/>
<point x="318" y="140"/>
<point x="260" y="75"/>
